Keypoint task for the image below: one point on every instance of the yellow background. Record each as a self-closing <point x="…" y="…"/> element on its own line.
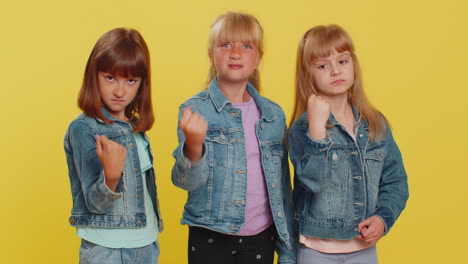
<point x="414" y="60"/>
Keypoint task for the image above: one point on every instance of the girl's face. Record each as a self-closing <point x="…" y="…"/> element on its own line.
<point x="235" y="61"/>
<point x="333" y="75"/>
<point x="117" y="92"/>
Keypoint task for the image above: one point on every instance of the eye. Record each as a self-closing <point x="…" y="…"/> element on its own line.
<point x="132" y="81"/>
<point x="322" y="66"/>
<point x="343" y="61"/>
<point x="225" y="45"/>
<point x="247" y="46"/>
<point x="109" y="78"/>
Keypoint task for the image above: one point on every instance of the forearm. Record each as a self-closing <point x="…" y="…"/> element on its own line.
<point x="186" y="174"/>
<point x="309" y="157"/>
<point x="99" y="197"/>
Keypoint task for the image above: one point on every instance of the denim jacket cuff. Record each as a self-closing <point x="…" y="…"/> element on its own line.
<point x="386" y="215"/>
<point x="187" y="164"/>
<point x="314" y="146"/>
<point x="104" y="189"/>
<point x="287" y="258"/>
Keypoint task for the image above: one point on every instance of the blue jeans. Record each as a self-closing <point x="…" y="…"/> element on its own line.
<point x="307" y="255"/>
<point x="91" y="253"/>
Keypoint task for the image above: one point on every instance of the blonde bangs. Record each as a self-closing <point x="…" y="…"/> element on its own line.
<point x="231" y="27"/>
<point x="234" y="26"/>
<point x="320" y="42"/>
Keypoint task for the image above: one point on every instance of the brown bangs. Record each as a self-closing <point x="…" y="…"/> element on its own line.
<point x="125" y="59"/>
<point x="120" y="52"/>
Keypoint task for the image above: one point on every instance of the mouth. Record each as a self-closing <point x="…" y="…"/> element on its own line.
<point x="235" y="66"/>
<point x="338" y="81"/>
<point x="117" y="101"/>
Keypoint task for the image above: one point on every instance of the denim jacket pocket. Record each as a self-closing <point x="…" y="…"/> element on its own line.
<point x="217" y="143"/>
<point x="338" y="156"/>
<point x="338" y="184"/>
<point x="277" y="152"/>
<point x="118" y="137"/>
<point x="374" y="162"/>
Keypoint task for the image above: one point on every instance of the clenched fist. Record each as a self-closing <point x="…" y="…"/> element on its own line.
<point x="318" y="112"/>
<point x="112" y="156"/>
<point x="194" y="128"/>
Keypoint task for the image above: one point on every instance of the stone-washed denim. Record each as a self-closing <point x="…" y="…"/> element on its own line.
<point x="217" y="184"/>
<point x="339" y="182"/>
<point x="94" y="204"/>
<point x="91" y="253"/>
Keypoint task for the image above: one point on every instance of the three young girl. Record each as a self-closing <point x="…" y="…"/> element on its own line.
<point x="232" y="157"/>
<point x="350" y="183"/>
<point x="115" y="205"/>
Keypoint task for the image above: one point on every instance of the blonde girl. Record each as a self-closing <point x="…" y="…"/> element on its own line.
<point x="350" y="182"/>
<point x="232" y="159"/>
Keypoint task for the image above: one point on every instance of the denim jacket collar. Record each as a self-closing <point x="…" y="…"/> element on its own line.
<point x="106" y="115"/>
<point x="220" y="100"/>
<point x="113" y="119"/>
<point x="332" y="119"/>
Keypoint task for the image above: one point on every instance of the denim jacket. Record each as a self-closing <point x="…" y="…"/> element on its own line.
<point x="340" y="181"/>
<point x="94" y="204"/>
<point x="217" y="184"/>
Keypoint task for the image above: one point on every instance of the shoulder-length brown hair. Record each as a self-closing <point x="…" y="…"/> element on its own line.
<point x="120" y="52"/>
<point x="319" y="42"/>
<point x="236" y="26"/>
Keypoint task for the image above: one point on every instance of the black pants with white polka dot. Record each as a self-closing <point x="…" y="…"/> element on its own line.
<point x="209" y="247"/>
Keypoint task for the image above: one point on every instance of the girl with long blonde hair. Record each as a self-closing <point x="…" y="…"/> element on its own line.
<point x="232" y="157"/>
<point x="350" y="182"/>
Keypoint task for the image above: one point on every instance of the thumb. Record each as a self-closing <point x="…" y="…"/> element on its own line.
<point x="98" y="145"/>
<point x="363" y="224"/>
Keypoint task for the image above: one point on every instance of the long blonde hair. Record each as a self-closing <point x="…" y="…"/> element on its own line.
<point x="236" y="26"/>
<point x="320" y="42"/>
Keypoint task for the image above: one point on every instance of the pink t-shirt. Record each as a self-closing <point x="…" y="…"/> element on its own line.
<point x="258" y="215"/>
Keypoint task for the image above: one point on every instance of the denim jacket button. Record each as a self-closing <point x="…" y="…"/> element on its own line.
<point x="274" y="185"/>
<point x="138" y="196"/>
<point x="261" y="126"/>
<point x="267" y="155"/>
<point x="139" y="222"/>
<point x="280" y="214"/>
<point x="131" y="144"/>
<point x="135" y="169"/>
<point x="72" y="220"/>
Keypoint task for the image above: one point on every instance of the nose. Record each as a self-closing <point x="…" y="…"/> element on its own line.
<point x="235" y="52"/>
<point x="335" y="69"/>
<point x="119" y="89"/>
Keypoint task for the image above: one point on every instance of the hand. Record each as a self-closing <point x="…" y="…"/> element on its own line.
<point x="112" y="156"/>
<point x="194" y="128"/>
<point x="371" y="229"/>
<point x="318" y="111"/>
